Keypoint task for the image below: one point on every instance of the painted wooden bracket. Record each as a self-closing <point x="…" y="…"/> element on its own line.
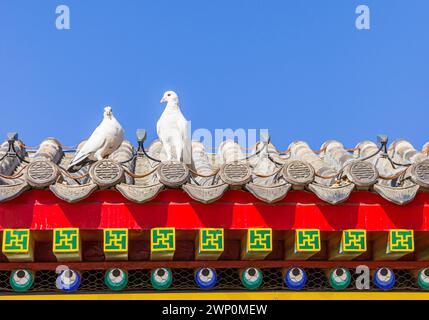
<point x="162" y="243"/>
<point x="394" y="245"/>
<point x="209" y="244"/>
<point x="18" y="245"/>
<point x="302" y="244"/>
<point x="257" y="243"/>
<point x="67" y="244"/>
<point x="115" y="244"/>
<point x="348" y="245"/>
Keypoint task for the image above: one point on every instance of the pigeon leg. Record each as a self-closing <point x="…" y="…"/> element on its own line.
<point x="167" y="152"/>
<point x="178" y="145"/>
<point x="98" y="155"/>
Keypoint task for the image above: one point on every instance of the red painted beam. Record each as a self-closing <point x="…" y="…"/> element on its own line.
<point x="41" y="210"/>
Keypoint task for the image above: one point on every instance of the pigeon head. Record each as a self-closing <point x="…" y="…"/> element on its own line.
<point x="170" y="97"/>
<point x="108" y="112"/>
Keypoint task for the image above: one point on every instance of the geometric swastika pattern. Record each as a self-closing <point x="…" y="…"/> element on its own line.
<point x="162" y="239"/>
<point x="401" y="240"/>
<point x="307" y="240"/>
<point x="353" y="241"/>
<point x="16" y="240"/>
<point x="66" y="240"/>
<point x="259" y="239"/>
<point x="115" y="240"/>
<point x="211" y="240"/>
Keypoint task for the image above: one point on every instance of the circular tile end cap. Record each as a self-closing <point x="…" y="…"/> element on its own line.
<point x="173" y="174"/>
<point x="298" y="173"/>
<point x="106" y="173"/>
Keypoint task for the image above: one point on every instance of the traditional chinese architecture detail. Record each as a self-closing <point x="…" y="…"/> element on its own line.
<point x="173" y="174"/>
<point x="210" y="244"/>
<point x="106" y="173"/>
<point x="398" y="195"/>
<point x="205" y="194"/>
<point x="362" y="173"/>
<point x="66" y="240"/>
<point x="41" y="173"/>
<point x="401" y="241"/>
<point x="9" y="192"/>
<point x="307" y="240"/>
<point x="259" y="243"/>
<point x="139" y="194"/>
<point x="296" y="237"/>
<point x="16" y="241"/>
<point x="115" y="244"/>
<point x="115" y="240"/>
<point x="269" y="194"/>
<point x="298" y="173"/>
<point x="353" y="241"/>
<point x="18" y="245"/>
<point x="67" y="244"/>
<point x="420" y="173"/>
<point x="162" y="243"/>
<point x="72" y="193"/>
<point x="211" y="240"/>
<point x="332" y="195"/>
<point x="235" y="173"/>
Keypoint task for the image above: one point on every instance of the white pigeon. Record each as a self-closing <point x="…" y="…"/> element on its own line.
<point x="105" y="139"/>
<point x="172" y="129"/>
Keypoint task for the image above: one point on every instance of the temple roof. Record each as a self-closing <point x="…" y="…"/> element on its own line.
<point x="396" y="172"/>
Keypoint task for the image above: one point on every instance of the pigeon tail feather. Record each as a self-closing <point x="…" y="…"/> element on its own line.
<point x="78" y="159"/>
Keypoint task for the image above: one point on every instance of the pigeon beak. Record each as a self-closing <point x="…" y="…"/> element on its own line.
<point x="162" y="100"/>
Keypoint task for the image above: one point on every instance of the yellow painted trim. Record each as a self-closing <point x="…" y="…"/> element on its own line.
<point x="343" y="240"/>
<point x="390" y="240"/>
<point x="5" y="231"/>
<point x="229" y="296"/>
<point x="297" y="245"/>
<point x="250" y="250"/>
<point x="201" y="249"/>
<point x="65" y="250"/>
<point x="152" y="249"/>
<point x="105" y="231"/>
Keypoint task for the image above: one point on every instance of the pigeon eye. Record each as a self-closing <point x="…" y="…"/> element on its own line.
<point x="169" y="94"/>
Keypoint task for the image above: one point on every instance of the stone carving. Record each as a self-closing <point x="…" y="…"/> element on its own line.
<point x="332" y="195"/>
<point x="106" y="173"/>
<point x="41" y="173"/>
<point x="235" y="173"/>
<point x="398" y="195"/>
<point x="72" y="193"/>
<point x="173" y="174"/>
<point x="298" y="173"/>
<point x="9" y="192"/>
<point x="269" y="194"/>
<point x="205" y="194"/>
<point x="420" y="173"/>
<point x="138" y="193"/>
<point x="362" y="173"/>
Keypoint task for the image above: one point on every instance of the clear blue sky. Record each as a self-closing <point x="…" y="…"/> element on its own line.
<point x="299" y="68"/>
